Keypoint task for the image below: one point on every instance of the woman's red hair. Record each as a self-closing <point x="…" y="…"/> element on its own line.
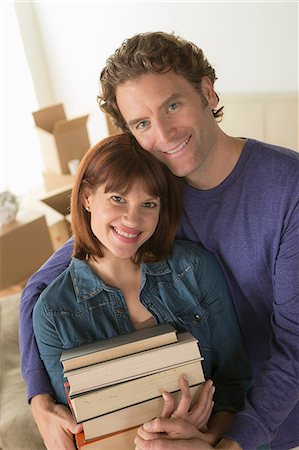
<point x="118" y="162"/>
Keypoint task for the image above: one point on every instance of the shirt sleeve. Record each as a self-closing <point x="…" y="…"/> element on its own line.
<point x="49" y="343"/>
<point x="276" y="388"/>
<point x="32" y="367"/>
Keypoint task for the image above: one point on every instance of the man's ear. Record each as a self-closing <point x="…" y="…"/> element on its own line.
<point x="208" y="92"/>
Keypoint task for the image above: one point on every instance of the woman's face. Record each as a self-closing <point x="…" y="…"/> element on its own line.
<point x="123" y="222"/>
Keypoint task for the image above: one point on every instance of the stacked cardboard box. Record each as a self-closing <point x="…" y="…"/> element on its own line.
<point x="58" y="214"/>
<point x="25" y="245"/>
<point x="61" y="141"/>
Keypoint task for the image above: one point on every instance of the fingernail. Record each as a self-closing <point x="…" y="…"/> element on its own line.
<point x="164" y="395"/>
<point x="147" y="426"/>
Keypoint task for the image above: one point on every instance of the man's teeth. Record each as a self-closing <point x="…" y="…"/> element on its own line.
<point x="127" y="235"/>
<point x="179" y="147"/>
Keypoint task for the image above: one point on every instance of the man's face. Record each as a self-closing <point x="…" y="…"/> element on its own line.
<point x="168" y="117"/>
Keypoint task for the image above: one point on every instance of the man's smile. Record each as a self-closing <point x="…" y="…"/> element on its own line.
<point x="179" y="147"/>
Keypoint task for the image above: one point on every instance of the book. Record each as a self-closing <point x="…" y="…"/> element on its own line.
<point x="134" y="365"/>
<point x="121" y="395"/>
<point x="121" y="440"/>
<point x="130" y="416"/>
<point x="115" y="347"/>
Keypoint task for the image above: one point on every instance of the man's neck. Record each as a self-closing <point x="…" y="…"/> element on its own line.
<point x="222" y="161"/>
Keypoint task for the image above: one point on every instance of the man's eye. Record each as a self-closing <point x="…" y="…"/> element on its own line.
<point x="173" y="106"/>
<point x="142" y="125"/>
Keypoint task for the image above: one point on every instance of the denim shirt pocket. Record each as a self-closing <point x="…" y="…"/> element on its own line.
<point x="194" y="318"/>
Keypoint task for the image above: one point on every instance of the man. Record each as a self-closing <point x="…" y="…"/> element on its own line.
<point x="241" y="203"/>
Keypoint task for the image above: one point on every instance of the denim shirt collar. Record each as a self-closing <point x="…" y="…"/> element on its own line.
<point x="87" y="284"/>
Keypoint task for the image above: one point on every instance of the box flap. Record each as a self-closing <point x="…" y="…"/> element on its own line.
<point x="47" y="117"/>
<point x="59" y="199"/>
<point x="65" y="125"/>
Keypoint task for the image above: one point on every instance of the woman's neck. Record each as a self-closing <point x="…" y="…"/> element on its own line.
<point x="115" y="271"/>
<point x="124" y="275"/>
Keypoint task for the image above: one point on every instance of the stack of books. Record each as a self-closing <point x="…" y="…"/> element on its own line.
<point x="115" y="385"/>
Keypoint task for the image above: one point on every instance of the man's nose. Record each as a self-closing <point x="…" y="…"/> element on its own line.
<point x="164" y="130"/>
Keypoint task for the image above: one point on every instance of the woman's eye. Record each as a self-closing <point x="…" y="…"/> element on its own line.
<point x="117" y="199"/>
<point x="149" y="205"/>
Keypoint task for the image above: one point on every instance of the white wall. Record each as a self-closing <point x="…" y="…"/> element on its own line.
<point x="252" y="45"/>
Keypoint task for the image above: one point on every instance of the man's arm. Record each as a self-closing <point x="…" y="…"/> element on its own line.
<point x="276" y="388"/>
<point x="33" y="369"/>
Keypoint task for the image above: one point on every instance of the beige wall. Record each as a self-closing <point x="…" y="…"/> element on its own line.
<point x="271" y="118"/>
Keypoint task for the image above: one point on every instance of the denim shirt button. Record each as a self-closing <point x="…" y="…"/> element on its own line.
<point x="120" y="310"/>
<point x="197" y="317"/>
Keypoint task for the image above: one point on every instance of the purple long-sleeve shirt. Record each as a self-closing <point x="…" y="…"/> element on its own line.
<point x="250" y="222"/>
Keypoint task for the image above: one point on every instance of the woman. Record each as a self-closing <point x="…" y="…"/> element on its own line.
<point x="128" y="272"/>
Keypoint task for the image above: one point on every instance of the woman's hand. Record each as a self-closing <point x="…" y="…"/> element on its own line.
<point x="55" y="423"/>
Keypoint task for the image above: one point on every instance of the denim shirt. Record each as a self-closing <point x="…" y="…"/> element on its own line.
<point x="187" y="290"/>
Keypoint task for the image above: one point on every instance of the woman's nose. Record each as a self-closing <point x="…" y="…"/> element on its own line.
<point x="131" y="217"/>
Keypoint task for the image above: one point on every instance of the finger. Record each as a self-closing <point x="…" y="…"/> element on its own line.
<point x="69" y="423"/>
<point x="171" y="428"/>
<point x="159" y="444"/>
<point x="164" y="444"/>
<point x="168" y="405"/>
<point x="159" y="425"/>
<point x="185" y="399"/>
<point x="74" y="427"/>
<point x="147" y="435"/>
<point x="65" y="441"/>
<point x="202" y="409"/>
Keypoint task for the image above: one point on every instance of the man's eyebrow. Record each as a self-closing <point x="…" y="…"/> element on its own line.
<point x="135" y="121"/>
<point x="169" y="99"/>
<point x="166" y="102"/>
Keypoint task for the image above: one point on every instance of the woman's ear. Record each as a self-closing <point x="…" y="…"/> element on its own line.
<point x="208" y="92"/>
<point x="86" y="199"/>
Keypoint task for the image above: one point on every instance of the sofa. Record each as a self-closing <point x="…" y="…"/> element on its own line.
<point x="18" y="430"/>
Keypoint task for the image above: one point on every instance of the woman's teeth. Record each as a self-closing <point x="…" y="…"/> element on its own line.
<point x="126" y="235"/>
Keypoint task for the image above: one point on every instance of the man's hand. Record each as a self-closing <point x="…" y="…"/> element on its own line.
<point x="227" y="444"/>
<point x="199" y="413"/>
<point x="169" y="434"/>
<point x="55" y="423"/>
<point x="175" y="434"/>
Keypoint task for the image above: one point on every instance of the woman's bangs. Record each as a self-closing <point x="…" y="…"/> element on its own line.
<point x="124" y="181"/>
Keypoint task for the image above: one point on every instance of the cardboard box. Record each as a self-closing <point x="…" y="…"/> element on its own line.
<point x="61" y="140"/>
<point x="59" y="199"/>
<point x="54" y="180"/>
<point x="59" y="229"/>
<point x="58" y="214"/>
<point x="112" y="129"/>
<point x="25" y="245"/>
